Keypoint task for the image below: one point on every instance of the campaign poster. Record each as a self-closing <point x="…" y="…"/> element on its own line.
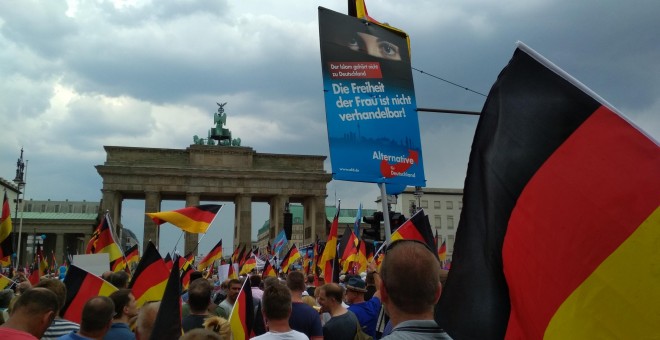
<point x="373" y="130"/>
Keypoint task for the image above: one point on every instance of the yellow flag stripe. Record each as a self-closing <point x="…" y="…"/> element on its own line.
<point x="155" y="293"/>
<point x="184" y="222"/>
<point x="620" y="299"/>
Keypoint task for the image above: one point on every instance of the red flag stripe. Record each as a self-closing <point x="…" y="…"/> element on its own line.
<point x="604" y="149"/>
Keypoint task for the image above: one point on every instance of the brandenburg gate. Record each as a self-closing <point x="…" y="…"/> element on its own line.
<point x="215" y="173"/>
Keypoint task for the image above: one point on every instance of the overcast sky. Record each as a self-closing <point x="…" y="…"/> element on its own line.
<point x="78" y="75"/>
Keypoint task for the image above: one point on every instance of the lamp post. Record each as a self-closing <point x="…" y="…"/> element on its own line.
<point x="21" y="170"/>
<point x="418" y="194"/>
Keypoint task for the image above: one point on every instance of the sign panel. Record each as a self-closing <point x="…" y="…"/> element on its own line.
<point x="370" y="107"/>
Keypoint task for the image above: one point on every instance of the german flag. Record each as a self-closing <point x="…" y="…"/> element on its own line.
<point x="268" y="270"/>
<point x="168" y="319"/>
<point x="248" y="265"/>
<point x="168" y="262"/>
<point x="5" y="282"/>
<point x="330" y="251"/>
<point x="242" y="314"/>
<point x="150" y="277"/>
<point x="195" y="219"/>
<point x="132" y="255"/>
<point x="214" y="254"/>
<point x="6" y="248"/>
<point x="104" y="242"/>
<point x="185" y="278"/>
<point x="555" y="171"/>
<point x="239" y="256"/>
<point x="347" y="248"/>
<point x="80" y="287"/>
<point x="290" y="258"/>
<point x="231" y="273"/>
<point x="442" y="252"/>
<point x="187" y="261"/>
<point x="416" y="228"/>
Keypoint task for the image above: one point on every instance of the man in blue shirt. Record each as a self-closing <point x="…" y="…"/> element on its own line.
<point x="125" y="309"/>
<point x="366" y="311"/>
<point x="96" y="319"/>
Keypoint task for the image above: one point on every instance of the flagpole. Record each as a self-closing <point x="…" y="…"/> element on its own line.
<point x="204" y="234"/>
<point x="20" y="222"/>
<point x="177" y="241"/>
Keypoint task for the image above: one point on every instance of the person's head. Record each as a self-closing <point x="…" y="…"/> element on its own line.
<point x="146" y="318"/>
<point x="200" y="334"/>
<point x="119" y="279"/>
<point x="219" y="326"/>
<point x="106" y="275"/>
<point x="330" y="295"/>
<point x="355" y="289"/>
<point x="310" y="301"/>
<point x="255" y="280"/>
<point x="410" y="278"/>
<point x="310" y="280"/>
<point x="22" y="287"/>
<point x="34" y="311"/>
<point x="276" y="303"/>
<point x="269" y="281"/>
<point x="199" y="295"/>
<point x="97" y="316"/>
<point x="296" y="281"/>
<point x="5" y="297"/>
<point x="233" y="288"/>
<point x="196" y="275"/>
<point x="56" y="286"/>
<point x="125" y="306"/>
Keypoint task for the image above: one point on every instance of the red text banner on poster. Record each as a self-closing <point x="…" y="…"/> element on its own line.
<point x="353" y="70"/>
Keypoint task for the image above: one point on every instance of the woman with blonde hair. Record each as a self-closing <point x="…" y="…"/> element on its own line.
<point x="218" y="325"/>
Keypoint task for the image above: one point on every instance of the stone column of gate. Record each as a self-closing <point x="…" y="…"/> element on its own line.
<point x="112" y="204"/>
<point x="151" y="204"/>
<point x="276" y="216"/>
<point x="59" y="246"/>
<point x="315" y="219"/>
<point x="243" y="221"/>
<point x="191" y="239"/>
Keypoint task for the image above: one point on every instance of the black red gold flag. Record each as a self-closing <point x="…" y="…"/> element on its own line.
<point x="80" y="287"/>
<point x="555" y="176"/>
<point x="168" y="320"/>
<point x="150" y="277"/>
<point x="195" y="219"/>
<point x="242" y="314"/>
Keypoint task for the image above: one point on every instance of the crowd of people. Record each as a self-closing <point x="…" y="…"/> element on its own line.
<point x="395" y="301"/>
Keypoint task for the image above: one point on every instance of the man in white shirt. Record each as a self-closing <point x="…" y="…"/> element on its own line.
<point x="276" y="307"/>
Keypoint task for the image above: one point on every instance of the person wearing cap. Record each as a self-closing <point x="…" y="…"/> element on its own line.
<point x="366" y="311"/>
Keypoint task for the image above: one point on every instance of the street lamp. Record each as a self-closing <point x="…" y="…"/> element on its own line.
<point x="21" y="170"/>
<point x="418" y="194"/>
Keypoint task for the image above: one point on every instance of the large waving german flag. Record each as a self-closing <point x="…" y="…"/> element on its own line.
<point x="212" y="256"/>
<point x="195" y="219"/>
<point x="290" y="258"/>
<point x="555" y="176"/>
<point x="80" y="287"/>
<point x="6" y="248"/>
<point x="242" y="314"/>
<point x="416" y="228"/>
<point x="150" y="277"/>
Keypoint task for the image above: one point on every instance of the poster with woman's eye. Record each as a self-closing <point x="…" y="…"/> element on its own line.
<point x="373" y="130"/>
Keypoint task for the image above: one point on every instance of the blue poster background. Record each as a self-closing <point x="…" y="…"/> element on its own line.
<point x="373" y="129"/>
